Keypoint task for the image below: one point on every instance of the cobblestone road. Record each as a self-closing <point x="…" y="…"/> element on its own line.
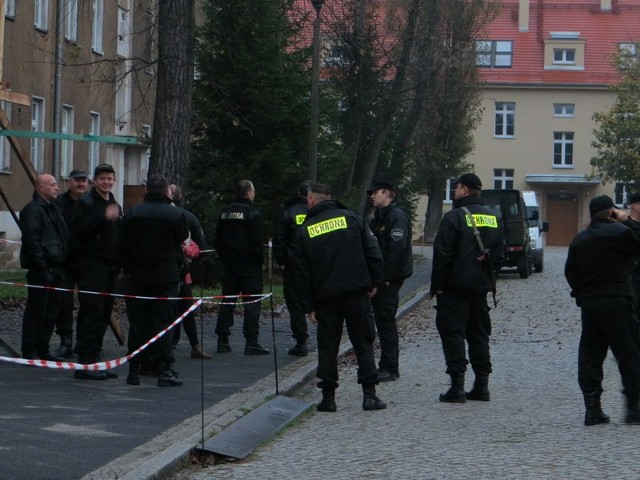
<point x="532" y="428"/>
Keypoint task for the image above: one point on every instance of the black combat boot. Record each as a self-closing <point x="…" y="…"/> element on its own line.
<point x="88" y="374"/>
<point x="65" y="350"/>
<point x="633" y="408"/>
<point x="480" y="390"/>
<point x="223" y="344"/>
<point x="167" y="377"/>
<point x="455" y="394"/>
<point x="134" y="373"/>
<point x="253" y="347"/>
<point x="109" y="373"/>
<point x="370" y="400"/>
<point x="593" y="413"/>
<point x="300" y="349"/>
<point x="328" y="403"/>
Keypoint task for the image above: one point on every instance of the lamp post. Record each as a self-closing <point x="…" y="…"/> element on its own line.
<point x="315" y="94"/>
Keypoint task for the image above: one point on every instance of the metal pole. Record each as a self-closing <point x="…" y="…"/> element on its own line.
<point x="57" y="90"/>
<point x="315" y="96"/>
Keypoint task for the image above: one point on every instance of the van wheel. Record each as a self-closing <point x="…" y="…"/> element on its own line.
<point x="538" y="267"/>
<point x="524" y="266"/>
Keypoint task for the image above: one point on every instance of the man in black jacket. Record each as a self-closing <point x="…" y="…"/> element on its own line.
<point x="598" y="270"/>
<point x="289" y="222"/>
<point x="239" y="244"/>
<point x="149" y="248"/>
<point x="461" y="277"/>
<point x="338" y="269"/>
<point x="78" y="184"/>
<point x="392" y="228"/>
<point x="94" y="223"/>
<point x="43" y="251"/>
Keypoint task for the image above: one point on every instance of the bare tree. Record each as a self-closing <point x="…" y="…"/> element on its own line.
<point x="170" y="142"/>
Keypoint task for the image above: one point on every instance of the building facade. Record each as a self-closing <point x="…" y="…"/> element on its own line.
<point x="87" y="67"/>
<point x="547" y="67"/>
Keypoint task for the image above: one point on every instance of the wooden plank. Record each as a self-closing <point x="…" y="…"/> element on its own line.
<point x="13" y="97"/>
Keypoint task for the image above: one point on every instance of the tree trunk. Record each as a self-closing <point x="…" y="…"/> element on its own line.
<point x="434" y="213"/>
<point x="170" y="142"/>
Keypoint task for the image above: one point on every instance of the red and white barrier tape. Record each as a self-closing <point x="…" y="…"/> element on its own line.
<point x="100" y="365"/>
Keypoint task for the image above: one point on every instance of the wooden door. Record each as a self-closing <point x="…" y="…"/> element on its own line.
<point x="562" y="212"/>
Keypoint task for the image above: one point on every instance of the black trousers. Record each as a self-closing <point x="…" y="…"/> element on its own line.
<point x="64" y="322"/>
<point x="298" y="320"/>
<point x="41" y="311"/>
<point x="331" y="315"/>
<point x="240" y="279"/>
<point x="385" y="305"/>
<point x="95" y="310"/>
<point x="460" y="318"/>
<point x="609" y="322"/>
<point x="149" y="317"/>
<point x="189" y="322"/>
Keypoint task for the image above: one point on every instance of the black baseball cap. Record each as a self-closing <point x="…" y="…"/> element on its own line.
<point x="381" y="185"/>
<point x="634" y="198"/>
<point x="598" y="204"/>
<point x="470" y="180"/>
<point x="78" y="174"/>
<point x="103" y="167"/>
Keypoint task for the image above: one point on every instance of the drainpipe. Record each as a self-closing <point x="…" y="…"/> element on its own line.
<point x="57" y="90"/>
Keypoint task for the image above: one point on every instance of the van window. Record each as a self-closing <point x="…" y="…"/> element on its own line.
<point x="530" y="221"/>
<point x="513" y="202"/>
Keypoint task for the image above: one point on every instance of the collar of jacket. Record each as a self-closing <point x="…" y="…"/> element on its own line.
<point x="97" y="196"/>
<point x="468" y="200"/>
<point x="384" y="211"/>
<point x="295" y="201"/>
<point x="156" y="198"/>
<point x="243" y="200"/>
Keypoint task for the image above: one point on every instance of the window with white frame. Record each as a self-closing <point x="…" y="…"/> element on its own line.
<point x="503" y="178"/>
<point x="146" y="158"/>
<point x="94" y="147"/>
<point x="98" y="18"/>
<point x="564" y="56"/>
<point x="566" y="110"/>
<point x="66" y="146"/>
<point x="10" y="8"/>
<point x="494" y="53"/>
<point x="563" y="149"/>
<point x="124" y="33"/>
<point x="41" y="14"/>
<point x="622" y="192"/>
<point x="449" y="190"/>
<point x="71" y="20"/>
<point x="5" y="148"/>
<point x="37" y="125"/>
<point x="629" y="53"/>
<point x="123" y="94"/>
<point x="505" y="119"/>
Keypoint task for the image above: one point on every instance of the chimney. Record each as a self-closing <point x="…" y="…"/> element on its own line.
<point x="605" y="5"/>
<point x="523" y="15"/>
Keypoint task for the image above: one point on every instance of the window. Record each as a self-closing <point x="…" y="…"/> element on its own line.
<point x="41" y="14"/>
<point x="66" y="146"/>
<point x="123" y="95"/>
<point x="494" y="53"/>
<point x="629" y="53"/>
<point x="505" y="119"/>
<point x="564" y="56"/>
<point x="10" y="8"/>
<point x="37" y="125"/>
<point x="146" y="158"/>
<point x="503" y="178"/>
<point x="563" y="149"/>
<point x="71" y="20"/>
<point x="98" y="13"/>
<point x="564" y="110"/>
<point x="94" y="147"/>
<point x="449" y="190"/>
<point x="5" y="148"/>
<point x="124" y="33"/>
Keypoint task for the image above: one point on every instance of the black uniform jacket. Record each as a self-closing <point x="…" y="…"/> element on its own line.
<point x="97" y="237"/>
<point x="44" y="235"/>
<point x="392" y="228"/>
<point x="67" y="203"/>
<point x="455" y="249"/>
<point x="336" y="255"/>
<point x="149" y="246"/>
<point x="599" y="259"/>
<point x="239" y="234"/>
<point x="289" y="222"/>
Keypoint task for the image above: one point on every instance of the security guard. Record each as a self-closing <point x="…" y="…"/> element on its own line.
<point x="462" y="275"/>
<point x="339" y="267"/>
<point x="239" y="244"/>
<point x="289" y="222"/>
<point x="392" y="228"/>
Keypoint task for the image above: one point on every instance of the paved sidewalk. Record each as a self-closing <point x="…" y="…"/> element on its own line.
<point x="531" y="429"/>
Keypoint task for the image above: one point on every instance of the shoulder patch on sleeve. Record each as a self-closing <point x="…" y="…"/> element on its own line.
<point x="396" y="234"/>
